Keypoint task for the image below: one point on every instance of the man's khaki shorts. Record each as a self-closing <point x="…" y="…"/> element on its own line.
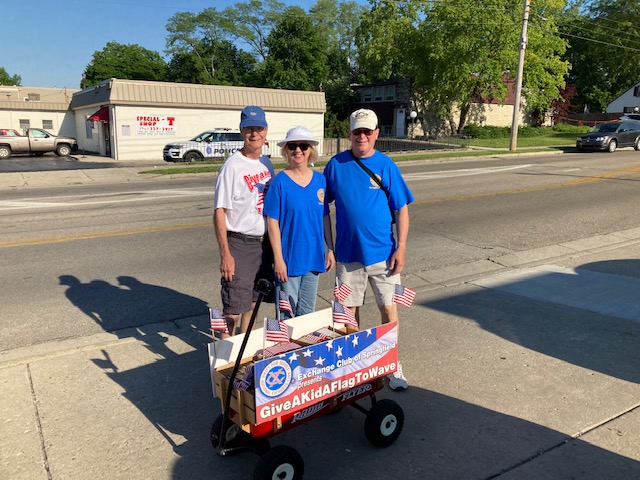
<point x="356" y="275"/>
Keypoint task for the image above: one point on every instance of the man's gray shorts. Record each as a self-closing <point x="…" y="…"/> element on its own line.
<point x="238" y="294"/>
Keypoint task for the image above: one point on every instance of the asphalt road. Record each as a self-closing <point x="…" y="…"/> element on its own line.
<point x="84" y="240"/>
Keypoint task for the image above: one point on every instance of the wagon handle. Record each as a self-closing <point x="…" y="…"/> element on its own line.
<point x="263" y="287"/>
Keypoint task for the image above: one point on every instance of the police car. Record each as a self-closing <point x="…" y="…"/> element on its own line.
<point x="217" y="143"/>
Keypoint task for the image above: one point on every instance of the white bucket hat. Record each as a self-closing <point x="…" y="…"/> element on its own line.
<point x="298" y="134"/>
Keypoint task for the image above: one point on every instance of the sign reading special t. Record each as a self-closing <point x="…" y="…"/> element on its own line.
<point x="155" y="125"/>
<point x="295" y="380"/>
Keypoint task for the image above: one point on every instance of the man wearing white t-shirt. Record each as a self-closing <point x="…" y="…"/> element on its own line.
<point x="239" y="221"/>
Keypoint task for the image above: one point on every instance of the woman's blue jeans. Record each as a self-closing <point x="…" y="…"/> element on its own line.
<point x="302" y="291"/>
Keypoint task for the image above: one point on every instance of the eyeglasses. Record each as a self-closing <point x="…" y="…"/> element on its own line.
<point x="362" y="131"/>
<point x="303" y="146"/>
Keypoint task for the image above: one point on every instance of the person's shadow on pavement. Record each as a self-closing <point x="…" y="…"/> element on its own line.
<point x="131" y="303"/>
<point x="168" y="387"/>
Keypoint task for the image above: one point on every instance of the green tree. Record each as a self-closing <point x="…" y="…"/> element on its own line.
<point x="218" y="64"/>
<point x="337" y="23"/>
<point x="297" y="54"/>
<point x="251" y="23"/>
<point x="604" y="44"/>
<point x="6" y="79"/>
<point x="130" y="62"/>
<point x="458" y="53"/>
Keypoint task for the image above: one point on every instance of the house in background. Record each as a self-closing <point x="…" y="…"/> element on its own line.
<point x="34" y="107"/>
<point x="392" y="102"/>
<point x="628" y="102"/>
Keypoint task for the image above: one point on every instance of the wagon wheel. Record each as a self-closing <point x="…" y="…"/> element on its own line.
<point x="279" y="463"/>
<point x="384" y="423"/>
<point x="234" y="432"/>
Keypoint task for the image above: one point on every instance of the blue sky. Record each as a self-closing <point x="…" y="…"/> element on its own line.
<point x="49" y="43"/>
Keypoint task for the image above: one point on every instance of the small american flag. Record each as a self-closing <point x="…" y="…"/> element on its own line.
<point x="344" y="315"/>
<point x="218" y="322"/>
<point x="283" y="302"/>
<point x="316" y="337"/>
<point x="275" y="330"/>
<point x="341" y="291"/>
<point x="278" y="349"/>
<point x="403" y="295"/>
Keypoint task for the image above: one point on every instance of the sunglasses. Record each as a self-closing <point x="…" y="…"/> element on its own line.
<point x="303" y="146"/>
<point x="360" y="131"/>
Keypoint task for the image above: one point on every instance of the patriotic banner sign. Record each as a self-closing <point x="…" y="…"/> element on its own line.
<point x="297" y="379"/>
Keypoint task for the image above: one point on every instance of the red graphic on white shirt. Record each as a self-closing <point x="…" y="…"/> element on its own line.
<point x="253" y="182"/>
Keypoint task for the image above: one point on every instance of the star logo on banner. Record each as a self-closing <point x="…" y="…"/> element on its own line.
<point x="369" y="333"/>
<point x="307" y="353"/>
<point x="339" y="351"/>
<point x="330" y="344"/>
<point x="320" y="361"/>
<point x="293" y="357"/>
<point x="355" y="340"/>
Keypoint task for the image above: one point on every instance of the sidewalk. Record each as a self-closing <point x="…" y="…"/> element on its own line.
<point x="523" y="366"/>
<point x="99" y="170"/>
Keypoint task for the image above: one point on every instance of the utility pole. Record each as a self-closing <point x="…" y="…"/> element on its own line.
<point x="516" y="101"/>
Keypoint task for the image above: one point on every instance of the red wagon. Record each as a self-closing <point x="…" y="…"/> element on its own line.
<point x="267" y="388"/>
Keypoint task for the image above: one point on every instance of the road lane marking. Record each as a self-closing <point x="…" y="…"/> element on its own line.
<point x="460" y="173"/>
<point x="110" y="233"/>
<point x="541" y="188"/>
<point x="102" y="198"/>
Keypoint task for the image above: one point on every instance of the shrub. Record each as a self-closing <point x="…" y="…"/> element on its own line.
<point x="566" y="128"/>
<point x="476" y="131"/>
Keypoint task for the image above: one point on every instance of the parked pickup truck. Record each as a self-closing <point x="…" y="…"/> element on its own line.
<point x="35" y="142"/>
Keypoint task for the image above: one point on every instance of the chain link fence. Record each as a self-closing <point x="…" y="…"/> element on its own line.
<point x="331" y="146"/>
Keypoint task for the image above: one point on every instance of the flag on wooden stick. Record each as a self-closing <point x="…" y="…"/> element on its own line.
<point x="218" y="322"/>
<point x="341" y="290"/>
<point x="276" y="330"/>
<point x="403" y="296"/>
<point x="344" y="315"/>
<point x="283" y="302"/>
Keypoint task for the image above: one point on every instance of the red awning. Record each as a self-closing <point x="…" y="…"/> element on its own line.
<point x="101" y="115"/>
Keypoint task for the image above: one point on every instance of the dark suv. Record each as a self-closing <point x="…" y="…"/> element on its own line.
<point x="609" y="136"/>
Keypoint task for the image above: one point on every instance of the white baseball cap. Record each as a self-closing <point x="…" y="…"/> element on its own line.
<point x="363" y="118"/>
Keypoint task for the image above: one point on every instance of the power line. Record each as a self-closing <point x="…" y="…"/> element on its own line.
<point x="591" y="40"/>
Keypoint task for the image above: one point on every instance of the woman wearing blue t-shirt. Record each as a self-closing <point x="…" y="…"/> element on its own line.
<point x="295" y="209"/>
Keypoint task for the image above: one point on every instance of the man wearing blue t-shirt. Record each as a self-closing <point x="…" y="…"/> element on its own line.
<point x="366" y="249"/>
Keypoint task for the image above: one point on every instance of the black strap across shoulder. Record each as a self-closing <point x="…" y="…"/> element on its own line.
<point x="377" y="180"/>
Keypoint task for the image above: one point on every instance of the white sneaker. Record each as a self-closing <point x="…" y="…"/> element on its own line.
<point x="397" y="380"/>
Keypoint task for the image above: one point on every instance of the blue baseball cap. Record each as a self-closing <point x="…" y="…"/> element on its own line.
<point x="253" y="116"/>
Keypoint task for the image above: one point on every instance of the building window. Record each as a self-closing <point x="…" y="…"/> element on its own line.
<point x="47" y="124"/>
<point x="636" y="91"/>
<point x="366" y="95"/>
<point x="379" y="95"/>
<point x="387" y="130"/>
<point x="390" y="93"/>
<point x="24" y="124"/>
